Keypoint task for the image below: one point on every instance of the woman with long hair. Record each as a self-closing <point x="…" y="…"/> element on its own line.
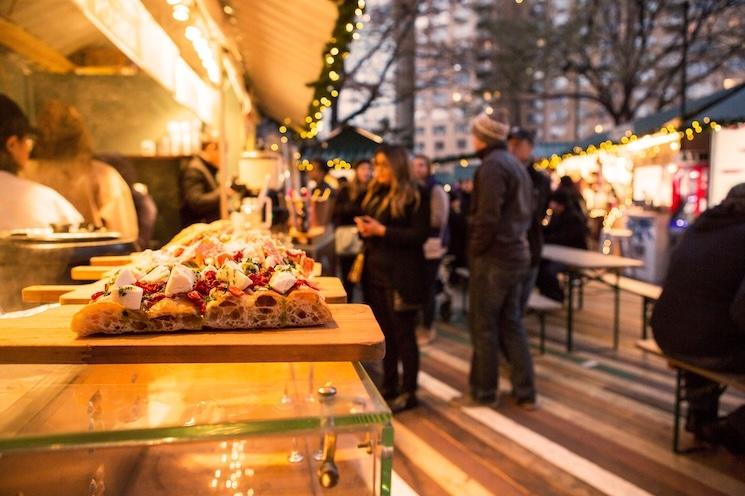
<point x="394" y="226"/>
<point x="63" y="160"/>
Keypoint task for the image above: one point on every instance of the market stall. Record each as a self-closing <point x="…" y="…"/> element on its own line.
<point x="288" y="410"/>
<point x="652" y="178"/>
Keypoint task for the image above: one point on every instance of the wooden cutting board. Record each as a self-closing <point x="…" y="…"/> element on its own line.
<point x="354" y="335"/>
<point x="91" y="272"/>
<point x="49" y="293"/>
<point x="112" y="260"/>
<point x="96" y="272"/>
<point x="331" y="288"/>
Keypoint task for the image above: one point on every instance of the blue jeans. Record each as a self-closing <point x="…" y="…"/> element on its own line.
<point x="495" y="321"/>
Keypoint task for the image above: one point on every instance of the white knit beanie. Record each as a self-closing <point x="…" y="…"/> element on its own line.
<point x="488" y="129"/>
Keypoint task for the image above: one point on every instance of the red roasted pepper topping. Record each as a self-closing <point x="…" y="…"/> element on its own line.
<point x="262" y="278"/>
<point x="235" y="291"/>
<point x="151" y="299"/>
<point x="179" y="251"/>
<point x="198" y="299"/>
<point x="308" y="264"/>
<point x="237" y="256"/>
<point x="303" y="282"/>
<point x="97" y="295"/>
<point x="149" y="288"/>
<point x="155" y="298"/>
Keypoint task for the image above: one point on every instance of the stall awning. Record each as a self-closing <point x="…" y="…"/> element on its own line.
<point x="346" y="142"/>
<point x="727" y="110"/>
<point x="51" y="34"/>
<point x="653" y="122"/>
<point x="281" y="44"/>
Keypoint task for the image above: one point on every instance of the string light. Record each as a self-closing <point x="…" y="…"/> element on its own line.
<point x="629" y="137"/>
<point x="326" y="88"/>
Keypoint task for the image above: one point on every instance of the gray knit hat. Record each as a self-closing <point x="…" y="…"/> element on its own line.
<point x="489" y="128"/>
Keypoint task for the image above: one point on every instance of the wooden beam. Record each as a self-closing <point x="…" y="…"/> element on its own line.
<point x="109" y="70"/>
<point x="24" y="43"/>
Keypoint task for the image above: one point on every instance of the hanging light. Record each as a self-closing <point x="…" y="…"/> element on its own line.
<point x="181" y="13"/>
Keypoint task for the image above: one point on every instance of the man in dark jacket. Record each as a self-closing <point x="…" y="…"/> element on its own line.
<point x="520" y="144"/>
<point x="499" y="258"/>
<point x="700" y="316"/>
<point x="567" y="227"/>
<point x="199" y="186"/>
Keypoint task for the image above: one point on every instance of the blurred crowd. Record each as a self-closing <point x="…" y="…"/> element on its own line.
<point x="404" y="239"/>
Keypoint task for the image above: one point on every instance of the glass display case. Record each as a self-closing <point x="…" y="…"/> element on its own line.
<point x="175" y="429"/>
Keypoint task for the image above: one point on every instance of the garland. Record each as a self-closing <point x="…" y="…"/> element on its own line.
<point x="336" y="51"/>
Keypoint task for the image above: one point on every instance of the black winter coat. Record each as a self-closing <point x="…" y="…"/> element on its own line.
<point x="701" y="313"/>
<point x="541" y="194"/>
<point x="567" y="229"/>
<point x="501" y="209"/>
<point x="396" y="260"/>
<point x="201" y="194"/>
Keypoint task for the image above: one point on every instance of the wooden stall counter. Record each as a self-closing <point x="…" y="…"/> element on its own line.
<point x="354" y="335"/>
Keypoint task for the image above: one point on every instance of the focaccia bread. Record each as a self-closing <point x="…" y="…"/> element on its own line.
<point x="208" y="284"/>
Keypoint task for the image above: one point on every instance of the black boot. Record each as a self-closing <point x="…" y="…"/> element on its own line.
<point x="403" y="402"/>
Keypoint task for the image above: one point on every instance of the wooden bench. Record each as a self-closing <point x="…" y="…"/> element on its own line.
<point x="541" y="305"/>
<point x="736" y="381"/>
<point x="649" y="293"/>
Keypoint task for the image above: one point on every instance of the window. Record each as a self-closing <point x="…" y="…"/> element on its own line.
<point x="438" y="114"/>
<point x="462" y="144"/>
<point x="439" y="146"/>
<point x="560" y="115"/>
<point x="419" y="131"/>
<point x="560" y="83"/>
<point x="439" y="130"/>
<point x="462" y="128"/>
<point x="462" y="79"/>
<point x="535" y="118"/>
<point x="439" y="98"/>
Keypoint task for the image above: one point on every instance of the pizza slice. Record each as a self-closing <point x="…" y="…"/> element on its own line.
<point x="215" y="285"/>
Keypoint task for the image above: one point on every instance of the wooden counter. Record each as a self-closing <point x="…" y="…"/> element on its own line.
<point x="354" y="335"/>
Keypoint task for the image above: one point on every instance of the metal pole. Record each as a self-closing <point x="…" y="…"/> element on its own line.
<point x="684" y="66"/>
<point x="223" y="173"/>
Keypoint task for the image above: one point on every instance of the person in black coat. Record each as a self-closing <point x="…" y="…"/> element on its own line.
<point x="567" y="227"/>
<point x="520" y="144"/>
<point x="200" y="186"/>
<point x="700" y="316"/>
<point x="498" y="262"/>
<point x="346" y="208"/>
<point x="394" y="227"/>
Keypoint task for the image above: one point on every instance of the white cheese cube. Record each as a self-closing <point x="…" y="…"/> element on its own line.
<point x="270" y="261"/>
<point x="128" y="296"/>
<point x="182" y="280"/>
<point x="282" y="282"/>
<point x="158" y="274"/>
<point x="231" y="273"/>
<point x="126" y="277"/>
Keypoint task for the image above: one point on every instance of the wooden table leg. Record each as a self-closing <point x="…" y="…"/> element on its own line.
<point x="616" y="311"/>
<point x="676" y="411"/>
<point x="570" y="310"/>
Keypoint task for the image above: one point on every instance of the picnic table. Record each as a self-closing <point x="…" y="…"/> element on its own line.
<point x="578" y="263"/>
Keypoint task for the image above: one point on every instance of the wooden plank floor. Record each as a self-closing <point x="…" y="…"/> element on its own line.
<point x="603" y="426"/>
